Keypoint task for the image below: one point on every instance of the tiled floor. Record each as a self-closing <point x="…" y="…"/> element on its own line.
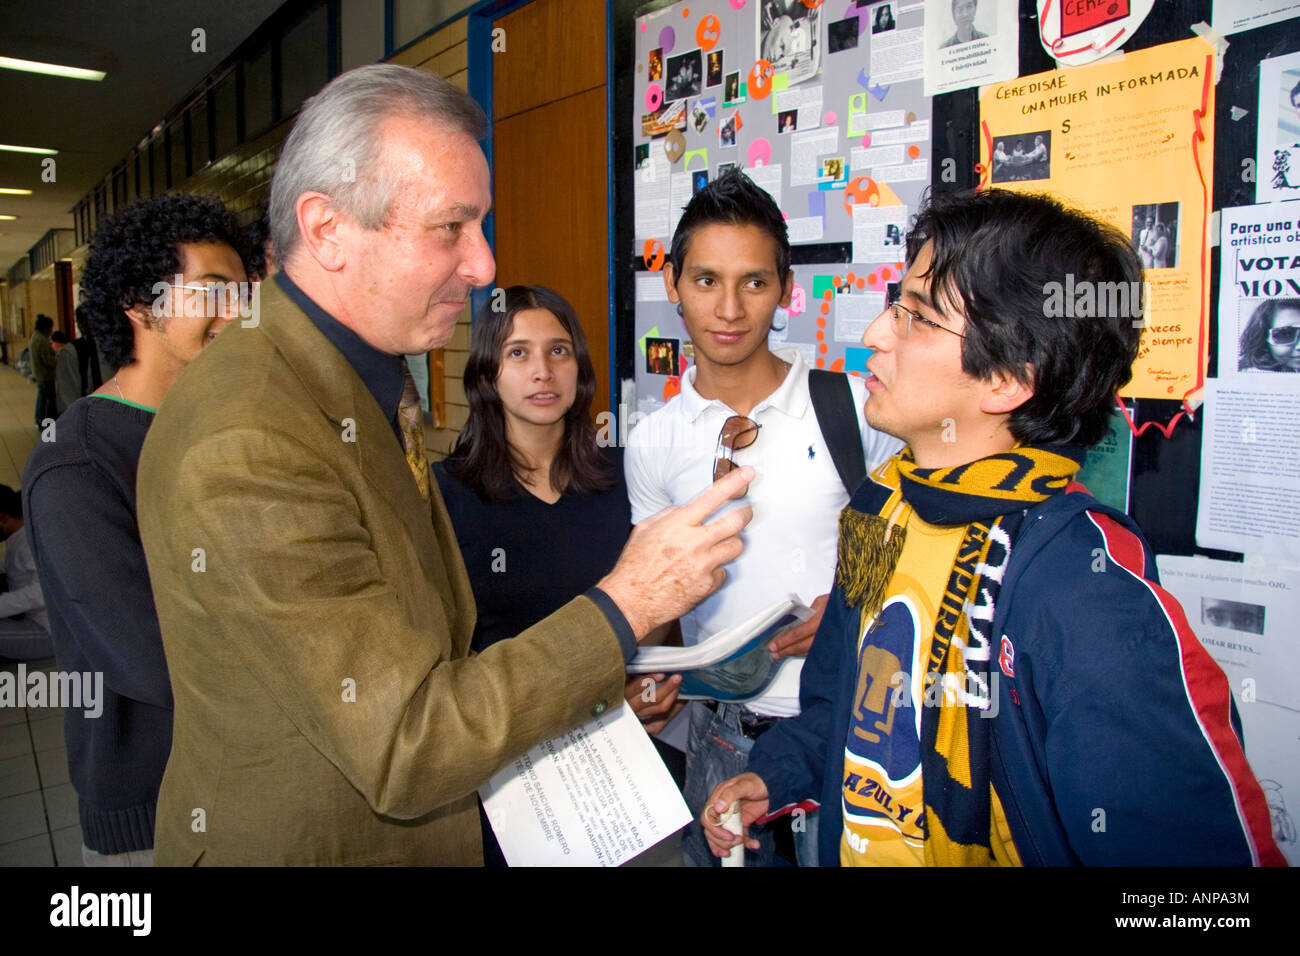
<point x="38" y="807"/>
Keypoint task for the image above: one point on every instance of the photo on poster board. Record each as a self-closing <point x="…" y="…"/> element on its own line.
<point x="833" y="173"/>
<point x="787" y="121"/>
<point x="970" y="42"/>
<point x="1155" y="234"/>
<point x="685" y="75"/>
<point x="882" y="18"/>
<point x="670" y="116"/>
<point x="1022" y="157"/>
<point x="1270" y="341"/>
<point x="699" y="117"/>
<point x="662" y="356"/>
<point x="968" y="22"/>
<point x="656" y="71"/>
<point x="727" y="132"/>
<point x="1259" y="292"/>
<point x="789" y="37"/>
<point x="714" y="74"/>
<point x="1277" y="173"/>
<point x="842" y="35"/>
<point x="733" y="92"/>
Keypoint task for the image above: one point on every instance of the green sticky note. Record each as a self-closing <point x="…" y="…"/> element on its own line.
<point x="779" y="82"/>
<point x="820" y="286"/>
<point x="1106" y="468"/>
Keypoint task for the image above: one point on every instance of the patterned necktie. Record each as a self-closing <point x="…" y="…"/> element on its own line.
<point x="409" y="418"/>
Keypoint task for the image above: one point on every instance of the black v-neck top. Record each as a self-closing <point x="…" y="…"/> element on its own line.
<point x="526" y="559"/>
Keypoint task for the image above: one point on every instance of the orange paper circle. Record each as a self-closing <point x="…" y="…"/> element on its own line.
<point x="759" y="81"/>
<point x="914" y="151"/>
<point x="653" y="255"/>
<point x="707" y="33"/>
<point x="862" y="189"/>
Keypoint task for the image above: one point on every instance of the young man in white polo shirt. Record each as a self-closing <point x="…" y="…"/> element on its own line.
<point x="728" y="271"/>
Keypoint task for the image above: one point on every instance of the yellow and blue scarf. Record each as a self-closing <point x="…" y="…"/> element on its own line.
<point x="990" y="497"/>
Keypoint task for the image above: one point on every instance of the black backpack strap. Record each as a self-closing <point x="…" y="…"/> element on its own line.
<point x="832" y="401"/>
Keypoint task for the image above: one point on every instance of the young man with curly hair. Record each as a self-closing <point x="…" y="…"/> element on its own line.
<point x="164" y="277"/>
<point x="999" y="678"/>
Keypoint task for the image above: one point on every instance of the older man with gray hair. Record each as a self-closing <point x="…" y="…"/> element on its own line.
<point x="314" y="607"/>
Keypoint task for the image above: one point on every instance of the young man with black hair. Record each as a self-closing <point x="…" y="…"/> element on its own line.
<point x="163" y="278"/>
<point x="24" y="625"/>
<point x="728" y="271"/>
<point x="998" y="678"/>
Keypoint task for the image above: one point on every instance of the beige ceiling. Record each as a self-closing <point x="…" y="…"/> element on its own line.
<point x="145" y="46"/>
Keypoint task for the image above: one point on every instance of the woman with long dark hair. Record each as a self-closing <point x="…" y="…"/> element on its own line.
<point x="1270" y="341"/>
<point x="539" y="507"/>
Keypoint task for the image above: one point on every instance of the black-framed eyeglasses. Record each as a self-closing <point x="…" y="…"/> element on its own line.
<point x="1284" y="335"/>
<point x="903" y="317"/>
<point x="737" y="432"/>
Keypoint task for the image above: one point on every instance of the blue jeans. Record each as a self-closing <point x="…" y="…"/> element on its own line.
<point x="717" y="750"/>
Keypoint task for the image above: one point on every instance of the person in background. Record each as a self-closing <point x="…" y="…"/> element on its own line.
<point x="44" y="366"/>
<point x="24" y="623"/>
<point x="81" y="369"/>
<point x="80" y="493"/>
<point x="540" y="510"/>
<point x="58" y="340"/>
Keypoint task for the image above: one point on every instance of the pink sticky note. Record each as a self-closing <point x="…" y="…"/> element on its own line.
<point x="760" y="153"/>
<point x="830" y="118"/>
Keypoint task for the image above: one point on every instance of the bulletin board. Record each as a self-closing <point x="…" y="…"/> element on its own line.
<point x="1181" y="113"/>
<point x="814" y="128"/>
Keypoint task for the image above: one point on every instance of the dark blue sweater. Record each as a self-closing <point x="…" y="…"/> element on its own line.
<point x="79" y="499"/>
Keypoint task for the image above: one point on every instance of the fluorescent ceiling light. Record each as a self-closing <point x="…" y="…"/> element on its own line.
<point x="7" y="218"/>
<point x="38" y="150"/>
<point x="7" y="191"/>
<point x="50" y="69"/>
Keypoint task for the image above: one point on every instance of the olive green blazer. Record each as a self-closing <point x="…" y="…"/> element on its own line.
<point x="317" y="623"/>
